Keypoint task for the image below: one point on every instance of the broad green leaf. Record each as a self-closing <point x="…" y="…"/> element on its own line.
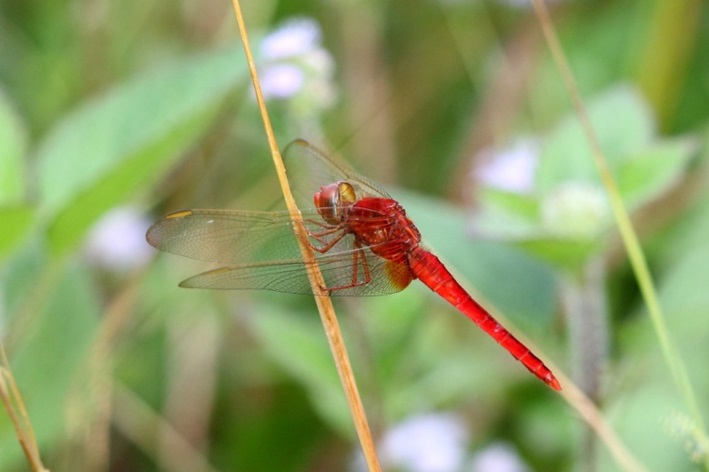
<point x="648" y="173"/>
<point x="521" y="205"/>
<point x="688" y="234"/>
<point x="564" y="253"/>
<point x="13" y="144"/>
<point x="645" y="420"/>
<point x="623" y="124"/>
<point x="685" y="300"/>
<point x="492" y="223"/>
<point x="50" y="358"/>
<point x="16" y="222"/>
<point x="108" y="149"/>
<point x="684" y="296"/>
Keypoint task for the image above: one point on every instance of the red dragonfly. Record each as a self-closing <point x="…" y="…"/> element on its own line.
<point x="363" y="241"/>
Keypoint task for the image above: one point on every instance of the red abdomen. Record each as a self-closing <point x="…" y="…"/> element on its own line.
<point x="434" y="274"/>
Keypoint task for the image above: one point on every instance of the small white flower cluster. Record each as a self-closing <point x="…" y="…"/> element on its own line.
<point x="573" y="209"/>
<point x="511" y="168"/>
<point x="426" y="443"/>
<point x="117" y="241"/>
<point x="296" y="67"/>
<point x="497" y="457"/>
<point x="438" y="442"/>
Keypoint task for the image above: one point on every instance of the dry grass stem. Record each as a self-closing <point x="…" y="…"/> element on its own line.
<point x="15" y="407"/>
<point x="324" y="304"/>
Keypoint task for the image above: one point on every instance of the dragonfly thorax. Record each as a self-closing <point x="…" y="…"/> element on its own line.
<point x="333" y="201"/>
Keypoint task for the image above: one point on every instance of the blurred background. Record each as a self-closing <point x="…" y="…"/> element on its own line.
<point x="115" y="113"/>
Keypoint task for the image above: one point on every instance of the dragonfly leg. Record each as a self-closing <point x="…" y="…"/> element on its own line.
<point x="358" y="257"/>
<point x="326" y="245"/>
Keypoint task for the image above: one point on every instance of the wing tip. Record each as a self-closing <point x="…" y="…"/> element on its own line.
<point x="154" y="234"/>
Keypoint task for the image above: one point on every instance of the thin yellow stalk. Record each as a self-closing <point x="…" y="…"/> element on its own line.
<point x="627" y="232"/>
<point x="323" y="302"/>
<point x="15" y="407"/>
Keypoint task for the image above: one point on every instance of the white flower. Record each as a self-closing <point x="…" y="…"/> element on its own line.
<point x="576" y="210"/>
<point x="432" y="442"/>
<point x="117" y="240"/>
<point x="282" y="80"/>
<point x="497" y="457"/>
<point x="512" y="168"/>
<point x="297" y="68"/>
<point x="297" y="37"/>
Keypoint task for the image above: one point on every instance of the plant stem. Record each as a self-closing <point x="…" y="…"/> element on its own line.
<point x="322" y="300"/>
<point x="584" y="305"/>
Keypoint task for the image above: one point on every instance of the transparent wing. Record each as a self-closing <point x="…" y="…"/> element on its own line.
<point x="309" y="169"/>
<point x="262" y="253"/>
<point x="228" y="236"/>
<point x="291" y="277"/>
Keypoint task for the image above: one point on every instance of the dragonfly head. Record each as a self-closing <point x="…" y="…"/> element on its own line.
<point x="333" y="199"/>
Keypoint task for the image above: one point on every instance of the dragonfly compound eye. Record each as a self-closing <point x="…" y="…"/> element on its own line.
<point x="327" y="202"/>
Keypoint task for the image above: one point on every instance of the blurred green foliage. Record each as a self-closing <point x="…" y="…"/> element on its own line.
<point x="113" y="104"/>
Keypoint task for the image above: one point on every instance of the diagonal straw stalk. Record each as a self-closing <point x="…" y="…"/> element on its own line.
<point x="323" y="302"/>
<point x="15" y="407"/>
<point x="625" y="227"/>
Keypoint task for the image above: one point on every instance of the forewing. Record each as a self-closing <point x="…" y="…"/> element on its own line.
<point x="226" y="236"/>
<point x="309" y="169"/>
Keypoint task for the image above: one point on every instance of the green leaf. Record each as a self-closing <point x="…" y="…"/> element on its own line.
<point x="623" y="124"/>
<point x="13" y="144"/>
<point x="16" y="223"/>
<point x="521" y="205"/>
<point x="644" y="175"/>
<point x="687" y="235"/>
<point x="52" y="353"/>
<point x="110" y="148"/>
<point x="498" y="225"/>
<point x="645" y="418"/>
<point x="565" y="253"/>
<point x="683" y="294"/>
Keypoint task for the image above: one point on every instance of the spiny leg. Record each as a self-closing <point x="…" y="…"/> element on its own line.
<point x="329" y="245"/>
<point x="357" y="256"/>
<point x="319" y="236"/>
